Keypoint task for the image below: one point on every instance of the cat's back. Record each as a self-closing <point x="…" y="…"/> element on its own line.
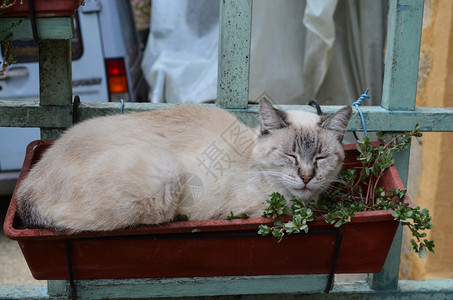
<point x="109" y="166"/>
<point x="179" y="124"/>
<point x="183" y="131"/>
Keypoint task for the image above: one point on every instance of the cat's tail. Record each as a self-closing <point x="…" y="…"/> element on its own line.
<point x="25" y="197"/>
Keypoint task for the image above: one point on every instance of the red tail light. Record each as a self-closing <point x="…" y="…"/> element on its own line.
<point x="116" y="74"/>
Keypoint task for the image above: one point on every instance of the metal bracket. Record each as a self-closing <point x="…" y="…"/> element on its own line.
<point x="34" y="28"/>
<point x="75" y="106"/>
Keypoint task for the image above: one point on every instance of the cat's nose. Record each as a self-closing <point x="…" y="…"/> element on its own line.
<point x="306" y="179"/>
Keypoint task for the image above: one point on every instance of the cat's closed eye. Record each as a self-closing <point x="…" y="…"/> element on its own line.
<point x="319" y="159"/>
<point x="293" y="158"/>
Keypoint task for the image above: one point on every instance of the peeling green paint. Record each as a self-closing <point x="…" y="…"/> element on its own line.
<point x="402" y="54"/>
<point x="30" y="114"/>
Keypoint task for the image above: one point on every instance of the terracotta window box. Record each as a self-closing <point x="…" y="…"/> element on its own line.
<point x="206" y="248"/>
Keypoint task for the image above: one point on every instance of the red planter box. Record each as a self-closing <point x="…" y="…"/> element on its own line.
<point x="43" y="8"/>
<point x="205" y="248"/>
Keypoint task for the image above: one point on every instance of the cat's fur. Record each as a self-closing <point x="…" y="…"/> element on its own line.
<point x="118" y="171"/>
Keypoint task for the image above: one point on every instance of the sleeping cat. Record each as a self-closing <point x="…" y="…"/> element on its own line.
<point x="146" y="168"/>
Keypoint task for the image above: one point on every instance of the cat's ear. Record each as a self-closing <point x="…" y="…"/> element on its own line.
<point x="270" y="117"/>
<point x="338" y="121"/>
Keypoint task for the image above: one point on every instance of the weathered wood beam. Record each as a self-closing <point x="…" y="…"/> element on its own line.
<point x="146" y="288"/>
<point x="402" y="54"/>
<point x="399" y="88"/>
<point x="30" y="114"/>
<point x="275" y="287"/>
<point x="48" y="28"/>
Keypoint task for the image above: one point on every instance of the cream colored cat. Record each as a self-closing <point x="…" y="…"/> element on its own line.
<point x="146" y="168"/>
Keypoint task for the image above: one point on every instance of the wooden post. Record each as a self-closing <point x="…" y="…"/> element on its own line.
<point x="398" y="93"/>
<point x="234" y="53"/>
<point x="401" y="54"/>
<point x="55" y="78"/>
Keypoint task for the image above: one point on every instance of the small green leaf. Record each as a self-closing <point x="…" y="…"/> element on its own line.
<point x="297" y="219"/>
<point x="304" y="228"/>
<point x="264" y="230"/>
<point x="232" y="216"/>
<point x="182" y="218"/>
<point x="278" y="223"/>
<point x="339" y="223"/>
<point x="277" y="233"/>
<point x="425" y="212"/>
<point x="290" y="227"/>
<point x="409" y="214"/>
<point x="286" y="211"/>
<point x="422" y="253"/>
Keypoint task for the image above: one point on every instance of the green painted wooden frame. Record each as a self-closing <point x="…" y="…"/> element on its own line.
<point x="32" y="114"/>
<point x="48" y="28"/>
<point x="398" y="113"/>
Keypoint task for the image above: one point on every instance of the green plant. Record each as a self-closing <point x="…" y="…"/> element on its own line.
<point x="232" y="216"/>
<point x="356" y="191"/>
<point x="142" y="6"/>
<point x="181" y="218"/>
<point x="8" y="3"/>
<point x="278" y="207"/>
<point x="8" y="49"/>
<point x="8" y="54"/>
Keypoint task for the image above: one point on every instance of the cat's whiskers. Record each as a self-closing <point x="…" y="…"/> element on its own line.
<point x="274" y="180"/>
<point x="267" y="172"/>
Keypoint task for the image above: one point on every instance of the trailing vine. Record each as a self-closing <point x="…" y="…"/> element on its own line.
<point x="8" y="49"/>
<point x="357" y="190"/>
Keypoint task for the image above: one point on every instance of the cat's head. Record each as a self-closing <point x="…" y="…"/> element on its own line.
<point x="299" y="153"/>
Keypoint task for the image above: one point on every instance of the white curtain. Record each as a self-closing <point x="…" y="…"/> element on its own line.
<point x="327" y="50"/>
<point x="183" y="44"/>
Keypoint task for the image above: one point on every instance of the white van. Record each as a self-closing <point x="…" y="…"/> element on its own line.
<point x="106" y="59"/>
